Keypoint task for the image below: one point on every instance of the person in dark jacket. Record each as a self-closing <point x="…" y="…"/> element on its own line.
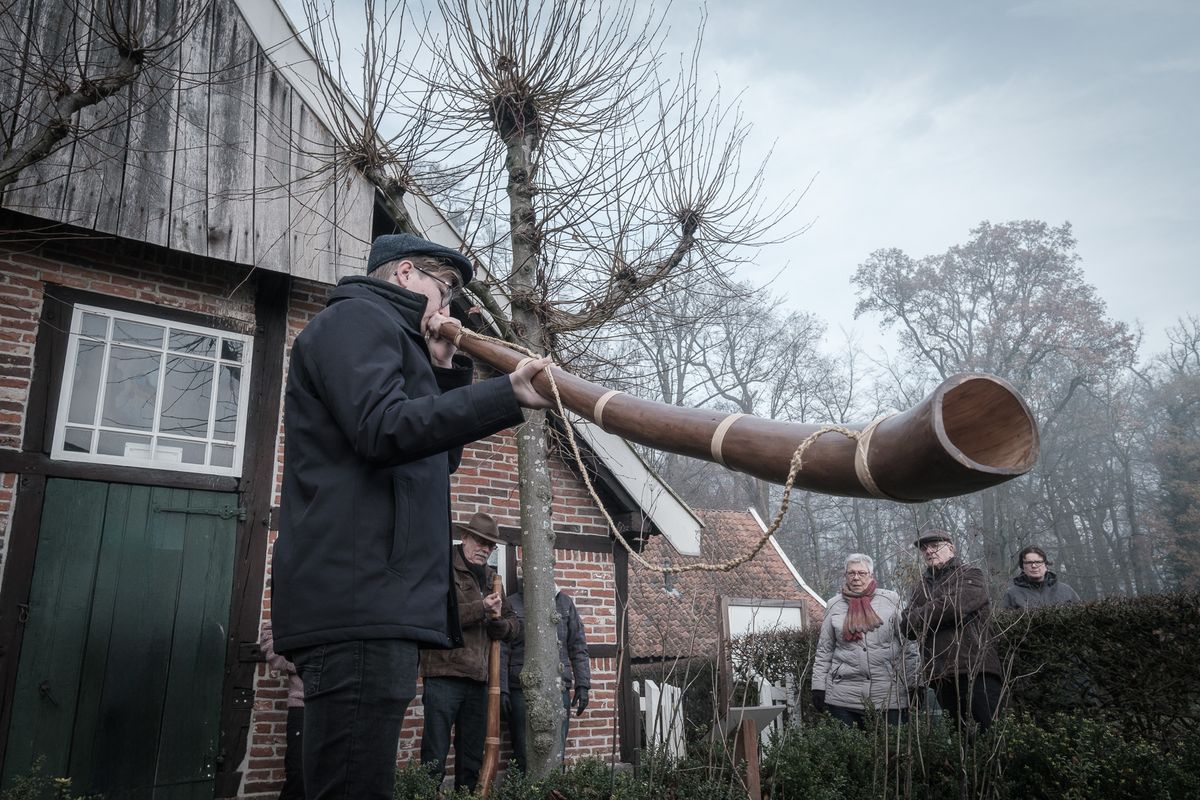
<point x="574" y="662"/>
<point x="949" y="615"/>
<point x="377" y="409"/>
<point x="455" y="682"/>
<point x="1036" y="586"/>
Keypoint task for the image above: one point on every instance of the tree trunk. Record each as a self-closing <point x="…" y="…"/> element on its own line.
<point x="540" y="678"/>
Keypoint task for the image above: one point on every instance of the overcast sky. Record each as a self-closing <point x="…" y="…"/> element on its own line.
<point x="921" y="119"/>
<point x="917" y="120"/>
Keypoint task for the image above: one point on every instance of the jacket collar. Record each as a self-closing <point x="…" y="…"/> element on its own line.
<point x="1023" y="581"/>
<point x="949" y="566"/>
<point x="410" y="305"/>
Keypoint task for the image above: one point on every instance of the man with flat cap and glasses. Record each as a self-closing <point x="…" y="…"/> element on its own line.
<point x="949" y="615"/>
<point x="377" y="410"/>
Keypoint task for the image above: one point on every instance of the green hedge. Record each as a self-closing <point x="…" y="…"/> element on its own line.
<point x="1133" y="663"/>
<point x="1059" y="758"/>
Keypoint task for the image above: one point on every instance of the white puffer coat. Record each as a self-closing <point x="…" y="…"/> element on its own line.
<point x="877" y="670"/>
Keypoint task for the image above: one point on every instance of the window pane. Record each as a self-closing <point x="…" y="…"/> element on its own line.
<point x="130" y="332"/>
<point x="179" y="451"/>
<point x="231" y="350"/>
<point x="85" y="383"/>
<point x="131" y="388"/>
<point x="228" y="392"/>
<point x="187" y="392"/>
<point x="195" y="343"/>
<point x="77" y="440"/>
<point x="125" y="445"/>
<point x="222" y="455"/>
<point x="94" y="325"/>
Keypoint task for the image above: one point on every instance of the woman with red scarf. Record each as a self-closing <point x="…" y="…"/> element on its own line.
<point x="863" y="662"/>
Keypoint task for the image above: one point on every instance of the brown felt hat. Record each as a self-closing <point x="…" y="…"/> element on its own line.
<point x="932" y="536"/>
<point x="483" y="526"/>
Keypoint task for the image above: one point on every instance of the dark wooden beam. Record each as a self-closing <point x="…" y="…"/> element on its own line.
<point x="237" y="697"/>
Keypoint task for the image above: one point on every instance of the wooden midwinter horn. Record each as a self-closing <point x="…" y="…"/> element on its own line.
<point x="972" y="432"/>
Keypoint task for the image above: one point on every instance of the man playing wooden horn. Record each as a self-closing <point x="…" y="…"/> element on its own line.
<point x="377" y="410"/>
<point x="456" y="681"/>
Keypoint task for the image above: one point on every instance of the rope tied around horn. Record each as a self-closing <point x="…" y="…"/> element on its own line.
<point x="862" y="469"/>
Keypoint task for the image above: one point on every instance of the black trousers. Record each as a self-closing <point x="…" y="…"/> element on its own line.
<point x="355" y="696"/>
<point x="459" y="704"/>
<point x="293" y="757"/>
<point x="966" y="698"/>
<point x="516" y="726"/>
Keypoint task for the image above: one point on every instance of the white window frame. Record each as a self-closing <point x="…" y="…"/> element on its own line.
<point x="67" y="387"/>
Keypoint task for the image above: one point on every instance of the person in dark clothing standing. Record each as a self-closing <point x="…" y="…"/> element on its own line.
<point x="455" y="682"/>
<point x="377" y="409"/>
<point x="1036" y="586"/>
<point x="949" y="615"/>
<point x="574" y="663"/>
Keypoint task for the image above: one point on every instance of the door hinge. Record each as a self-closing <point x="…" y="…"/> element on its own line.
<point x="224" y="512"/>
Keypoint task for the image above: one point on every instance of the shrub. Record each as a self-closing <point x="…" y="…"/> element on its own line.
<point x="1077" y="758"/>
<point x="38" y="786"/>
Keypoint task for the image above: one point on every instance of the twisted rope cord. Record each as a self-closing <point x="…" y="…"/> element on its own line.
<point x="794" y="468"/>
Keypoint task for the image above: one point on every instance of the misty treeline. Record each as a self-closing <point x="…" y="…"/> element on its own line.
<point x="1115" y="496"/>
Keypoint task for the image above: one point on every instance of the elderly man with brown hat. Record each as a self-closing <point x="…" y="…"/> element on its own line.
<point x="455" y="681"/>
<point x="949" y="615"/>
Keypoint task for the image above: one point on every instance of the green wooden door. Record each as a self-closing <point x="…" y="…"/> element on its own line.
<point x="119" y="683"/>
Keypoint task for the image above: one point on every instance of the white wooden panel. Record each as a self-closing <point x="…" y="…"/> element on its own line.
<point x="354" y="213"/>
<point x="231" y="167"/>
<point x="311" y="197"/>
<point x="272" y="168"/>
<point x="149" y="161"/>
<point x="94" y="188"/>
<point x="189" y="183"/>
<point x="51" y="55"/>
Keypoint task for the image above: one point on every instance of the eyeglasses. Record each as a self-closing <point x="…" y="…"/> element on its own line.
<point x="448" y="290"/>
<point x="930" y="547"/>
<point x="1034" y="563"/>
<point x="855" y="573"/>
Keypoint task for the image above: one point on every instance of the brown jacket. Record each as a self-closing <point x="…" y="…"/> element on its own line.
<point x="950" y="614"/>
<point x="471" y="660"/>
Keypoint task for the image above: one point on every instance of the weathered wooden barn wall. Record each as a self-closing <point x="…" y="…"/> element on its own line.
<point x="211" y="152"/>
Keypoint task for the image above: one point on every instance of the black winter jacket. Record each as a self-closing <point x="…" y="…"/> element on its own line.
<point x="1024" y="593"/>
<point x="372" y="431"/>
<point x="574" y="660"/>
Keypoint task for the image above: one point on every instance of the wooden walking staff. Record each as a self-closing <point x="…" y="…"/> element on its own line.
<point x="972" y="432"/>
<point x="491" y="745"/>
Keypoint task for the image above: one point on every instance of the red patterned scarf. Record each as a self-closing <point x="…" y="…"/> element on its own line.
<point x="860" y="617"/>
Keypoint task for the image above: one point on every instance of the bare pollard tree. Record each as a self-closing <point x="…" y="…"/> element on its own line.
<point x="615" y="178"/>
<point x="63" y="64"/>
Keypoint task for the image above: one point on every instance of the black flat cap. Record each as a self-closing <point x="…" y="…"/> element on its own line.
<point x="394" y="246"/>
<point x="932" y="536"/>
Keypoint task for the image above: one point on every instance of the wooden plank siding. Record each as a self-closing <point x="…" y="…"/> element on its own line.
<point x="231" y="142"/>
<point x="211" y="152"/>
<point x="149" y="160"/>
<point x="40" y="189"/>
